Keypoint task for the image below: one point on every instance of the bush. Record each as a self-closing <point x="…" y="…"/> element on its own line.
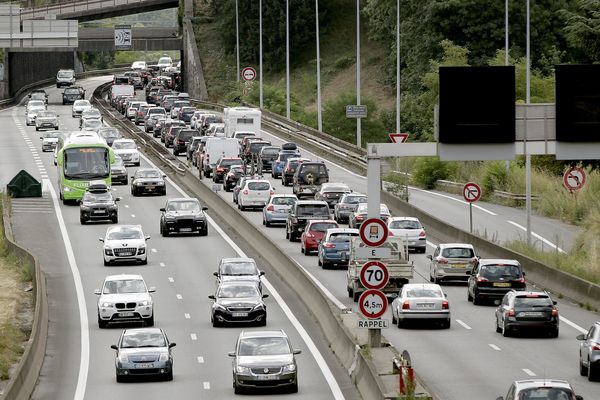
<point x="495" y="177"/>
<point x="427" y="170"/>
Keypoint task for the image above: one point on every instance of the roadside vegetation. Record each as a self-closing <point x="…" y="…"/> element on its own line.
<point x="15" y="306"/>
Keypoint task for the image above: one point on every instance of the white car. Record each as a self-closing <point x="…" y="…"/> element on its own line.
<point x="125" y="298"/>
<point x="421" y="302"/>
<point x="216" y="129"/>
<point x="255" y="193"/>
<point x="137" y="65"/>
<point x="32" y="115"/>
<point x="133" y="107"/>
<point x="92" y="113"/>
<point x="79" y="106"/>
<point x="164" y="62"/>
<point x="195" y="120"/>
<point x="127" y="150"/>
<point x="124" y="243"/>
<point x="410" y="229"/>
<point x="50" y="140"/>
<point x="451" y="261"/>
<point x="46" y="120"/>
<point x="92" y="124"/>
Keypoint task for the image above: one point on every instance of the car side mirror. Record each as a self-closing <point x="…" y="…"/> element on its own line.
<point x="204" y="208"/>
<point x="97" y="291"/>
<point x="216" y="274"/>
<point x="162" y="209"/>
<point x="429" y="257"/>
<point x="118" y="199"/>
<point x="211" y="296"/>
<point x="580" y="337"/>
<point x="264" y="296"/>
<point x="147" y="238"/>
<point x="41" y="137"/>
<point x="524" y="273"/>
<point x="164" y="176"/>
<point x="231" y="354"/>
<point x="261" y="273"/>
<point x="132" y="177"/>
<point x="297" y="351"/>
<point x="172" y="344"/>
<point x="578" y="397"/>
<point x="554" y="302"/>
<point x="101" y="239"/>
<point x="468" y="272"/>
<point x="151" y="289"/>
<point x="114" y="347"/>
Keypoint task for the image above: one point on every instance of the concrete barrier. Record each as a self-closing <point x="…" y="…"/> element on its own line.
<point x="24" y="377"/>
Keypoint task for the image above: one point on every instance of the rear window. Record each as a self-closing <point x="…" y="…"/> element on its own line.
<point x="259" y="186"/>
<point x="314" y="168"/>
<point x="356" y="199"/>
<point x="285" y="156"/>
<point x="342" y="237"/>
<point x="255" y="147"/>
<point x="313" y="209"/>
<point x="496" y="272"/>
<point x="546" y="393"/>
<point x="186" y="135"/>
<point x="230" y="161"/>
<point x="458" y="252"/>
<point x="530" y="301"/>
<point x="405" y="224"/>
<point x="283" y="201"/>
<point x="322" y="226"/>
<point x="270" y="152"/>
<point x="424" y="292"/>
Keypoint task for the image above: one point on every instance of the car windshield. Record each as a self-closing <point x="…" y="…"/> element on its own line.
<point x="186" y="135"/>
<point x="118" y="162"/>
<point x="355" y="199"/>
<point x="342" y="237"/>
<point x="124" y="145"/>
<point x="322" y="226"/>
<point x="92" y="123"/>
<point x="81" y="103"/>
<point x="97" y="197"/>
<point x="46" y="114"/>
<point x="124" y="286"/>
<point x="546" y="393"/>
<point x="148" y="173"/>
<point x="71" y="91"/>
<point x="284" y="156"/>
<point x="283" y="201"/>
<point x="237" y="291"/>
<point x="494" y="272"/>
<point x="239" y="268"/>
<point x="35" y="103"/>
<point x="38" y="96"/>
<point x="263" y="346"/>
<point x="313" y="209"/>
<point x="226" y="162"/>
<point x="52" y="135"/>
<point x="143" y="339"/>
<point x="533" y="301"/>
<point x="362" y="208"/>
<point x="405" y="224"/>
<point x="314" y="168"/>
<point x="91" y="113"/>
<point x="270" y="151"/>
<point x="65" y="74"/>
<point x="458" y="252"/>
<point x="190" y="206"/>
<point x="423" y="292"/>
<point x="259" y="185"/>
<point x="125" y="233"/>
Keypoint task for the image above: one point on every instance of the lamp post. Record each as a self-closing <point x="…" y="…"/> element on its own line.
<point x="319" y="115"/>
<point x="358" y="120"/>
<point x="287" y="59"/>
<point x="260" y="50"/>
<point x="237" y="40"/>
<point x="527" y="102"/>
<point x="398" y="66"/>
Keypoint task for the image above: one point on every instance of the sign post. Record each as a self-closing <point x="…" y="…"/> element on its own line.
<point x="471" y="193"/>
<point x="249" y="74"/>
<point x="123" y="39"/>
<point x="574" y="179"/>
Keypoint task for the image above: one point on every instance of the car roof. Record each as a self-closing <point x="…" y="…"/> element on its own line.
<point x="120" y="227"/>
<point x="265" y="333"/>
<point x="422" y="285"/>
<point x="126" y="140"/>
<point x="334" y="186"/>
<point x="133" y="331"/>
<point x="122" y="277"/>
<point x="258" y="180"/>
<point x="342" y="230"/>
<point x="241" y="282"/>
<point x="447" y="245"/>
<point x="317" y="221"/>
<point x="237" y="259"/>
<point x="173" y="199"/>
<point x="492" y="261"/>
<point x="403" y="219"/>
<point x="315" y="202"/>
<point x="534" y="383"/>
<point x="530" y="293"/>
<point x="284" y="195"/>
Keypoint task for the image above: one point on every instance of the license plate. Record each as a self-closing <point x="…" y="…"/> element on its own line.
<point x="150" y="187"/>
<point x="125" y="314"/>
<point x="185" y="229"/>
<point x="531" y="314"/>
<point x="98" y="212"/>
<point x="425" y="305"/>
<point x="144" y="365"/>
<point x="126" y="254"/>
<point x="501" y="284"/>
<point x="239" y="314"/>
<point x="266" y="377"/>
<point x="458" y="265"/>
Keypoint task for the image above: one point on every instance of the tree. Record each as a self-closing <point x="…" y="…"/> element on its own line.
<point x="583" y="29"/>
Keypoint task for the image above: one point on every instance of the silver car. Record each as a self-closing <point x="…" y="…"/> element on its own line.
<point x="238" y="269"/>
<point x="410" y="229"/>
<point x="589" y="353"/>
<point x="46" y="120"/>
<point x="264" y="359"/>
<point x="125" y="298"/>
<point x="143" y="352"/>
<point x="541" y="389"/>
<point x="277" y="208"/>
<point x="347" y="205"/>
<point x="50" y="140"/>
<point x="79" y="107"/>
<point x="422" y="302"/>
<point x="451" y="261"/>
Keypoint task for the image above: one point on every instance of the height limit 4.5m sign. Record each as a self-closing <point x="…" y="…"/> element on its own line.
<point x="372" y="303"/>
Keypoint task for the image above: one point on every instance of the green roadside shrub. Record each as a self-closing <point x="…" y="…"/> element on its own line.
<point x="427" y="170"/>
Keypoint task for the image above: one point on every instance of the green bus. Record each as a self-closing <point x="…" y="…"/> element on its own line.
<point x="82" y="157"/>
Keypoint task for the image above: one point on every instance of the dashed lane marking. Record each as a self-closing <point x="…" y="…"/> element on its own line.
<point x="463" y="324"/>
<point x="529" y="372"/>
<point x="200" y="359"/>
<point x="493" y="346"/>
<point x="193" y="336"/>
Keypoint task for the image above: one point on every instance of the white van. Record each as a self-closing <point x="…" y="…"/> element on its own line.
<point x="215" y="148"/>
<point x="239" y="119"/>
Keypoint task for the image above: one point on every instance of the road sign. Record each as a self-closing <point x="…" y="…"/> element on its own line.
<point x="373" y="252"/>
<point x="373" y="323"/>
<point x="398" y="137"/>
<point x="249" y="74"/>
<point x="123" y="39"/>
<point x="372" y="303"/>
<point x="471" y="192"/>
<point x="374" y="232"/>
<point x="374" y="275"/>
<point x="574" y="178"/>
<point x="356" y="111"/>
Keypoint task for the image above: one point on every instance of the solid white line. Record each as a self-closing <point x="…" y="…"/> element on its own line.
<point x="549" y="243"/>
<point x="126" y="205"/>
<point x="320" y="360"/>
<point x="463" y="324"/>
<point x="206" y="385"/>
<point x="179" y="297"/>
<point x="200" y="360"/>
<point x="83" y="317"/>
<point x="454" y="199"/>
<point x="162" y="264"/>
<point x="573" y="324"/>
<point x="187" y="316"/>
<point x="193" y="336"/>
<point x="431" y="244"/>
<point x="529" y="372"/>
<point x="171" y="280"/>
<point x="154" y="250"/>
<point x="493" y="346"/>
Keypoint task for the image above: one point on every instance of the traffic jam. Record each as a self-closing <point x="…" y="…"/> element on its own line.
<point x="291" y="191"/>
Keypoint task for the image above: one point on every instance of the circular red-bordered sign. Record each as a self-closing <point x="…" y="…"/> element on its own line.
<point x="374" y="232"/>
<point x="374" y="275"/>
<point x="574" y="178"/>
<point x="372" y="303"/>
<point x="249" y="74"/>
<point x="471" y="192"/>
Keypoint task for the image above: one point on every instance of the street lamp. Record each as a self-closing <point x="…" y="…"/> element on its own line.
<point x="237" y="40"/>
<point x="260" y="50"/>
<point x="527" y="102"/>
<point x="319" y="115"/>
<point x="287" y="59"/>
<point x="358" y="120"/>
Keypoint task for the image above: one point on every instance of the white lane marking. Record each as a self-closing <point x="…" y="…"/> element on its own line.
<point x="193" y="336"/>
<point x="549" y="243"/>
<point x="454" y="199"/>
<point x="431" y="244"/>
<point x="319" y="359"/>
<point x="126" y="205"/>
<point x="529" y="372"/>
<point x="325" y="291"/>
<point x="463" y="324"/>
<point x="162" y="264"/>
<point x="206" y="385"/>
<point x="200" y="360"/>
<point x="132" y="215"/>
<point x="493" y="346"/>
<point x="573" y="324"/>
<point x="154" y="250"/>
<point x="83" y="317"/>
<point x="179" y="297"/>
<point x="187" y="316"/>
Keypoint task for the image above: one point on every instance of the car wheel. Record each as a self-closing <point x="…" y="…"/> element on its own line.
<point x="120" y="378"/>
<point x="237" y="389"/>
<point x="302" y="249"/>
<point x="137" y="164"/>
<point x="350" y="291"/>
<point x="169" y="375"/>
<point x="476" y="300"/>
<point x="592" y="371"/>
<point x="553" y="333"/>
<point x="204" y="232"/>
<point x="106" y="263"/>
<point x="399" y="323"/>
<point x="102" y="324"/>
<point x="446" y="324"/>
<point x="505" y="329"/>
<point x="432" y="279"/>
<point x="150" y="321"/>
<point x="126" y="181"/>
<point x="287" y="233"/>
<point x="394" y="319"/>
<point x="115" y="220"/>
<point x="215" y="323"/>
<point x="583" y="370"/>
<point x="324" y="264"/>
<point x="294" y="388"/>
<point x="133" y="192"/>
<point x="469" y="297"/>
<point x="355" y="296"/>
<point x="81" y="221"/>
<point x="144" y="261"/>
<point x="164" y="232"/>
<point x="498" y="329"/>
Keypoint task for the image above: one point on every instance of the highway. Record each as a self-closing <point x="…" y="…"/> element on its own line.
<point x="79" y="363"/>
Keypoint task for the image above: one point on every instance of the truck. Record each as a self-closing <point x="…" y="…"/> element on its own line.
<point x="241" y="119"/>
<point x="214" y="149"/>
<point x="399" y="266"/>
<point x="121" y="90"/>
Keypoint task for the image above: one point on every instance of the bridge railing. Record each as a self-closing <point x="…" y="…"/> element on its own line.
<point x="73" y="6"/>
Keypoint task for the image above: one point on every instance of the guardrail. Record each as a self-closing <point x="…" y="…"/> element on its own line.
<point x="25" y="375"/>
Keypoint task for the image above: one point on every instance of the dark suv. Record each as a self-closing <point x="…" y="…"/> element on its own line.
<point x="222" y="166"/>
<point x="309" y="177"/>
<point x="183" y="215"/>
<point x="300" y="213"/>
<point x="98" y="204"/>
<point x="493" y="278"/>
<point x="171" y="133"/>
<point x="182" y="139"/>
<point x="73" y="93"/>
<point x="522" y="310"/>
<point x="267" y="155"/>
<point x="291" y="165"/>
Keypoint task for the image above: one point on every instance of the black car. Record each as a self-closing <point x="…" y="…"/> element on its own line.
<point x="148" y="180"/>
<point x="183" y="215"/>
<point x="493" y="278"/>
<point x="182" y="139"/>
<point x="110" y="134"/>
<point x="289" y="169"/>
<point x="238" y="302"/>
<point x="171" y="133"/>
<point x="192" y="147"/>
<point x="118" y="172"/>
<point x="38" y="94"/>
<point x="309" y="177"/>
<point x="185" y="114"/>
<point x="73" y="93"/>
<point x="232" y="177"/>
<point x="523" y="310"/>
<point x="253" y="149"/>
<point x="301" y="212"/>
<point x="212" y="119"/>
<point x="222" y="166"/>
<point x="267" y="155"/>
<point x="98" y="205"/>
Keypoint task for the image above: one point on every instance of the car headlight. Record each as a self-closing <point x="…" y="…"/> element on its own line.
<point x="290" y="368"/>
<point x="161" y="183"/>
<point x="258" y="307"/>
<point x="106" y="304"/>
<point x="163" y="357"/>
<point x="108" y="251"/>
<point x="145" y="303"/>
<point x="123" y="358"/>
<point x="85" y="208"/>
<point x="240" y="369"/>
<point x="142" y="250"/>
<point x="67" y="189"/>
<point x="138" y="183"/>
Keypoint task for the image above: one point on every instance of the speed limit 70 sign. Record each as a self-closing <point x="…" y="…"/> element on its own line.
<point x="374" y="275"/>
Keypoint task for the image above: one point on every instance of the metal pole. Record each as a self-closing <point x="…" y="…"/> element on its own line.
<point x="260" y="52"/>
<point x="527" y="155"/>
<point x="319" y="116"/>
<point x="507" y="162"/>
<point x="471" y="218"/>
<point x="237" y="40"/>
<point x="358" y="120"/>
<point x="398" y="67"/>
<point x="287" y="59"/>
